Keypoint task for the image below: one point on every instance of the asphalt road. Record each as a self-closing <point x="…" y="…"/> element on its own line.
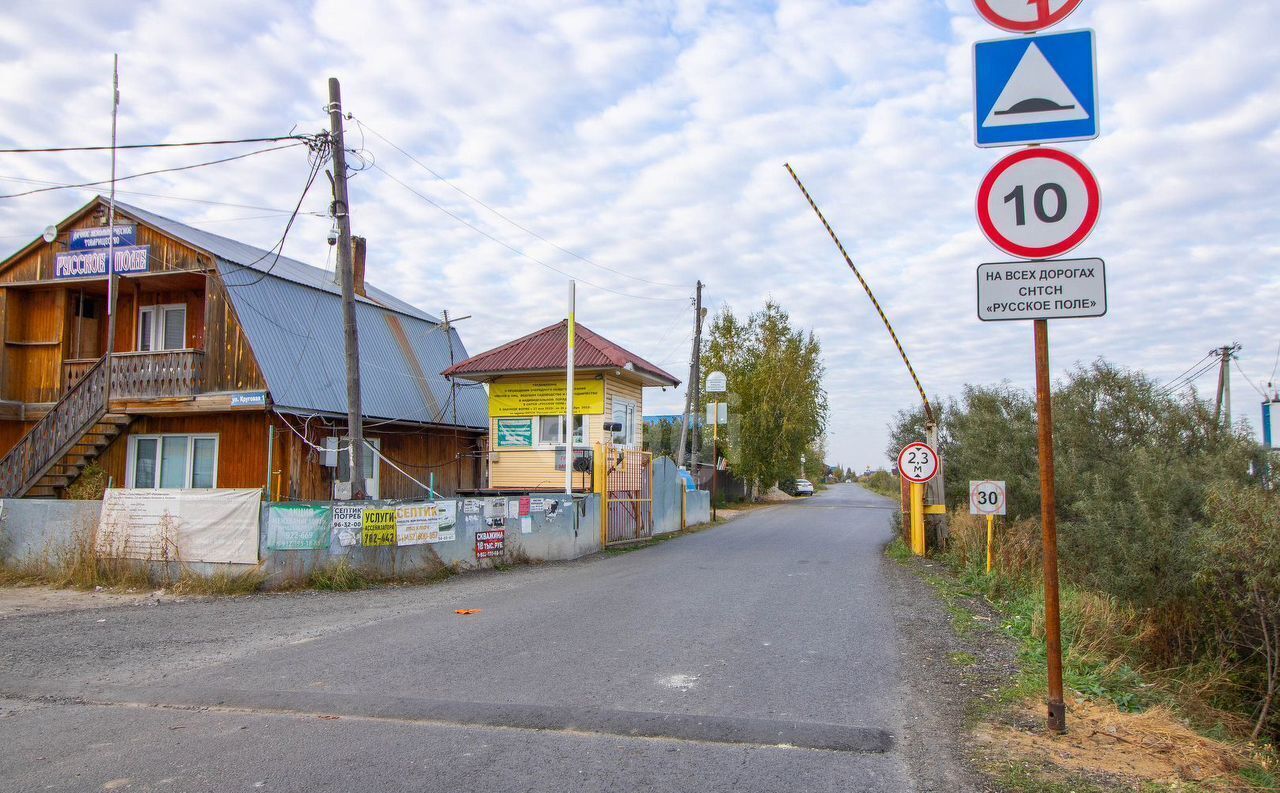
<point x="761" y="655"/>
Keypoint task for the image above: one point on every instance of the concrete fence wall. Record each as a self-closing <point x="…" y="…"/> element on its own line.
<point x="39" y="530"/>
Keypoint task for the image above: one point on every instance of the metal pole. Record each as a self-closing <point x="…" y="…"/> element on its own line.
<point x="715" y="439"/>
<point x="917" y="519"/>
<point x="111" y="229"/>
<point x="991" y="536"/>
<point x="568" y="398"/>
<point x="1057" y="716"/>
<point x="271" y="447"/>
<point x="342" y="216"/>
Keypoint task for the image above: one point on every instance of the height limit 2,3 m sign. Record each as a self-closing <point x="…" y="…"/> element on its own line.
<point x="917" y="463"/>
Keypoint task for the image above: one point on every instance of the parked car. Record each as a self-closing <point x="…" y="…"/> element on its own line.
<point x="804" y="487"/>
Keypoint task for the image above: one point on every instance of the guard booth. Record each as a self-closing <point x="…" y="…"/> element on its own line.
<point x="527" y="449"/>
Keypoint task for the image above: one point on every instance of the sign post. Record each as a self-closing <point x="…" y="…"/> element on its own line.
<point x="717" y="383"/>
<point x="917" y="463"/>
<point x="987" y="497"/>
<point x="1038" y="204"/>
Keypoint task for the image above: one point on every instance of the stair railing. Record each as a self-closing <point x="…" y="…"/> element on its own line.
<point x="53" y="436"/>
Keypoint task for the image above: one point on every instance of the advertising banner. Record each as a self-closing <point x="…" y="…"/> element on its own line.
<point x="198" y="525"/>
<point x="297" y="527"/>
<point x="544" y="397"/>
<point x="426" y="522"/>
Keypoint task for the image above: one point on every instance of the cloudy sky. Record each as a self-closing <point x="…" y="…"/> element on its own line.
<point x="639" y="147"/>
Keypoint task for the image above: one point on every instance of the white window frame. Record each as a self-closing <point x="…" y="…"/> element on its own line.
<point x="131" y="457"/>
<point x="578" y="440"/>
<point x="372" y="485"/>
<point x="157" y="313"/>
<point x="630" y="411"/>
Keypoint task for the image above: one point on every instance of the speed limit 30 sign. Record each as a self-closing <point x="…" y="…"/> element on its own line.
<point x="986" y="497"/>
<point x="1038" y="203"/>
<point x="917" y="463"/>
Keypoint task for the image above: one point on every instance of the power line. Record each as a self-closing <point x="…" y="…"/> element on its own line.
<point x="54" y="149"/>
<point x="153" y="173"/>
<point x="1172" y="387"/>
<point x="1188" y="369"/>
<point x="23" y="180"/>
<point x="512" y="248"/>
<point x="1252" y="384"/>
<point x="506" y="218"/>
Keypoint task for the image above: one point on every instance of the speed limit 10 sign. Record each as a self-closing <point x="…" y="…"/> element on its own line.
<point x="1038" y="203"/>
<point x="917" y="462"/>
<point x="986" y="498"/>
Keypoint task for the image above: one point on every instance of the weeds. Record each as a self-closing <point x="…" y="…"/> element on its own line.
<point x="339" y="576"/>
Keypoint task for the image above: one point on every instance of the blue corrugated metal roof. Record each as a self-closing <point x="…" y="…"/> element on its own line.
<point x="236" y="252"/>
<point x="292" y="315"/>
<point x="296" y="334"/>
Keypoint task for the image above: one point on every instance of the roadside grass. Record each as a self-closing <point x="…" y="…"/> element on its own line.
<point x="1098" y="638"/>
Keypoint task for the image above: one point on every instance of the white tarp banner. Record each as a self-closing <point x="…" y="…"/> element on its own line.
<point x="219" y="525"/>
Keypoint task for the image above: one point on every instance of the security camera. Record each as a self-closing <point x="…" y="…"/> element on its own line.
<point x="333" y="236"/>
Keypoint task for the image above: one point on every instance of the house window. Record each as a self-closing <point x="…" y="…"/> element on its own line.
<point x="162" y="328"/>
<point x="341" y="448"/>
<point x="172" y="461"/>
<point x="551" y="430"/>
<point x="624" y="413"/>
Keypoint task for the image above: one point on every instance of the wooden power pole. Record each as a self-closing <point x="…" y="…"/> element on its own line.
<point x="696" y="384"/>
<point x="342" y="216"/>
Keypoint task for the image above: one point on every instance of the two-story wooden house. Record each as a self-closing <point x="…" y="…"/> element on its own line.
<point x="227" y="369"/>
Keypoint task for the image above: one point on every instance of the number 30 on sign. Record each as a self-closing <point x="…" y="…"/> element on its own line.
<point x="917" y="462"/>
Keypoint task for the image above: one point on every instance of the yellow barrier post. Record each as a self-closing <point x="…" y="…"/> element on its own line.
<point x="991" y="537"/>
<point x="917" y="518"/>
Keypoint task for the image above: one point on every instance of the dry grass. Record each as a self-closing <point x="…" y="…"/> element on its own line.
<point x="1134" y="749"/>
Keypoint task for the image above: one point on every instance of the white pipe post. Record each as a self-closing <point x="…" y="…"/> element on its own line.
<point x="568" y="402"/>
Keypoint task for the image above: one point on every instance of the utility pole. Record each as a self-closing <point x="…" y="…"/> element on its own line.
<point x="342" y="216"/>
<point x="568" y="393"/>
<point x="695" y="382"/>
<point x="689" y="404"/>
<point x="1223" y="404"/>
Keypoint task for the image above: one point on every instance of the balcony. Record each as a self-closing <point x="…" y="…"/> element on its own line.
<point x="143" y="375"/>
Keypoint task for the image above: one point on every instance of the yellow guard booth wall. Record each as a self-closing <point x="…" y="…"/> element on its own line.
<point x="517" y="460"/>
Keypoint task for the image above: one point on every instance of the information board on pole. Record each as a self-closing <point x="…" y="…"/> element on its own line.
<point x="987" y="497"/>
<point x="1054" y="289"/>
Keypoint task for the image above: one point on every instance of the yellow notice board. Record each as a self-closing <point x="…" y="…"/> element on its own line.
<point x="379" y="527"/>
<point x="544" y="397"/>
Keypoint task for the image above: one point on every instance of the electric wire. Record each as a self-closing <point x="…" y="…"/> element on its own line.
<point x="506" y="218"/>
<point x="55" y="149"/>
<point x="1252" y="384"/>
<point x="1173" y="387"/>
<point x="154" y="172"/>
<point x="512" y="248"/>
<point x="1188" y="369"/>
<point x="162" y="196"/>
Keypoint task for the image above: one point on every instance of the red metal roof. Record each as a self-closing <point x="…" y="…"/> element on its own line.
<point x="544" y="350"/>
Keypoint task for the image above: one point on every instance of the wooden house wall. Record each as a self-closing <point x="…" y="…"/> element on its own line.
<point x="242" y="444"/>
<point x="534" y="468"/>
<point x="39" y="324"/>
<point x="419" y="452"/>
<point x="229" y="362"/>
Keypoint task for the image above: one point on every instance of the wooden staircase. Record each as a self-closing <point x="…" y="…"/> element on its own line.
<point x="75" y="427"/>
<point x="92" y="444"/>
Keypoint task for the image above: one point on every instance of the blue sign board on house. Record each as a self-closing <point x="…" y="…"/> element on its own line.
<point x="258" y="399"/>
<point x="92" y="262"/>
<point x="1035" y="89"/>
<point x="91" y="239"/>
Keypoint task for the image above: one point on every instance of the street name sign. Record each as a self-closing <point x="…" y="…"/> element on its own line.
<point x="917" y="463"/>
<point x="1025" y="16"/>
<point x="1057" y="289"/>
<point x="1035" y="89"/>
<point x="986" y="497"/>
<point x="1038" y="203"/>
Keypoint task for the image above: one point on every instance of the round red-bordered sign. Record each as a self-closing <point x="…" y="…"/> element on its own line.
<point x="1005" y="15"/>
<point x="917" y="462"/>
<point x="1038" y="203"/>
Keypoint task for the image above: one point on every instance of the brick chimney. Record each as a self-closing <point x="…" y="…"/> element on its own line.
<point x="357" y="265"/>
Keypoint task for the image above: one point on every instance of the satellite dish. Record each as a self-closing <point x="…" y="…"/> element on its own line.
<point x="50" y="234"/>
